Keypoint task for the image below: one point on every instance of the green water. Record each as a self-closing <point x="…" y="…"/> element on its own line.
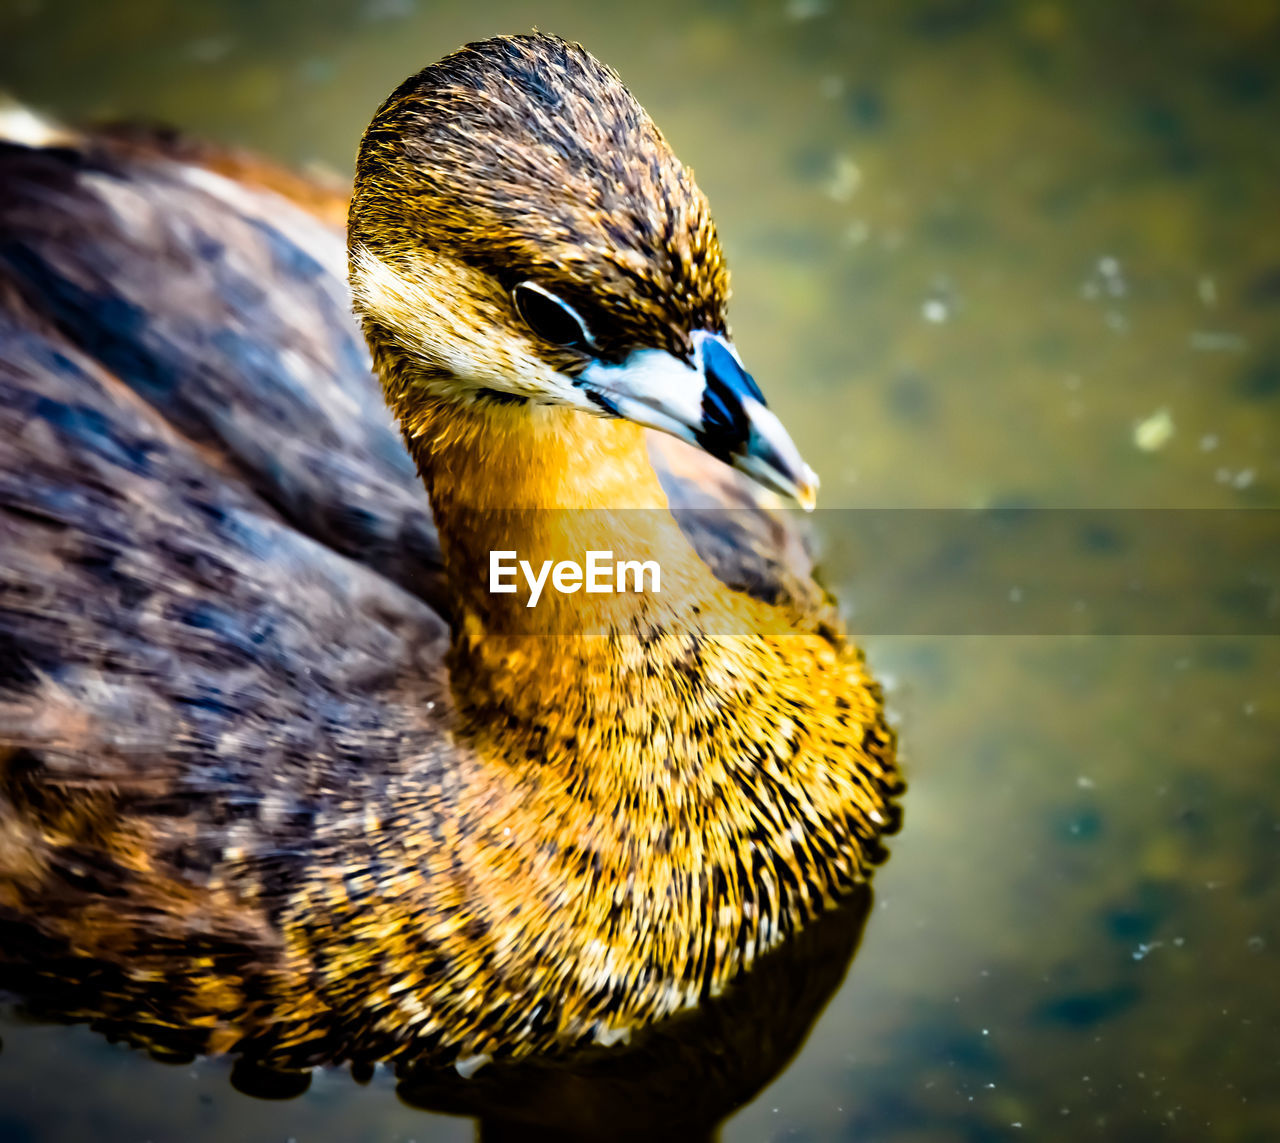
<point x="984" y="253"/>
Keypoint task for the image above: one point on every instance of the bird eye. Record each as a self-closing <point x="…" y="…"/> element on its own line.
<point x="550" y="318"/>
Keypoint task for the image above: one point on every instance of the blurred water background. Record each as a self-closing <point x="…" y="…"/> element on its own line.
<point x="984" y="253"/>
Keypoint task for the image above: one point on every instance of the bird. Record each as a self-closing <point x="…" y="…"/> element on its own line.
<point x="281" y="776"/>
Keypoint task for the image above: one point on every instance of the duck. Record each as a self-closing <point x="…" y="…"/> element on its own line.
<point x="281" y="776"/>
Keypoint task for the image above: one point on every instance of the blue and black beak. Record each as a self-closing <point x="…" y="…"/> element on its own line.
<point x="713" y="403"/>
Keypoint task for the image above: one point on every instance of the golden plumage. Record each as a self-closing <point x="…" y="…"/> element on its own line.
<point x="346" y="843"/>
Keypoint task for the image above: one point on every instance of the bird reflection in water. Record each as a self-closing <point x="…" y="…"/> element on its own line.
<point x="677" y="1080"/>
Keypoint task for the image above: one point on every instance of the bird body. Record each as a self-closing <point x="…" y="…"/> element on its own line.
<point x="254" y="790"/>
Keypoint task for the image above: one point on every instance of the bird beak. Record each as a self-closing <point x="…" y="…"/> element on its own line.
<point x="712" y="403"/>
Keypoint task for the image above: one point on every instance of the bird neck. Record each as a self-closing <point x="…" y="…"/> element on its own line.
<point x="550" y="485"/>
<point x="490" y="456"/>
<point x="543" y="487"/>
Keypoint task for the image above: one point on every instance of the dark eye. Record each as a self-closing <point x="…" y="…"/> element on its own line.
<point x="550" y="318"/>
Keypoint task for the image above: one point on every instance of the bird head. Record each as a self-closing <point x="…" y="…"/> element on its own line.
<point x="521" y="233"/>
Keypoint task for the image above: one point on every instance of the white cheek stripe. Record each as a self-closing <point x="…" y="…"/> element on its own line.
<point x="429" y="317"/>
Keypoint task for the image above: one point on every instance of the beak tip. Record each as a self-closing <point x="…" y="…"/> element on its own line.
<point x="807" y="489"/>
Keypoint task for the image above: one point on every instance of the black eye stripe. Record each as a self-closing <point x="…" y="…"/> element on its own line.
<point x="549" y="317"/>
